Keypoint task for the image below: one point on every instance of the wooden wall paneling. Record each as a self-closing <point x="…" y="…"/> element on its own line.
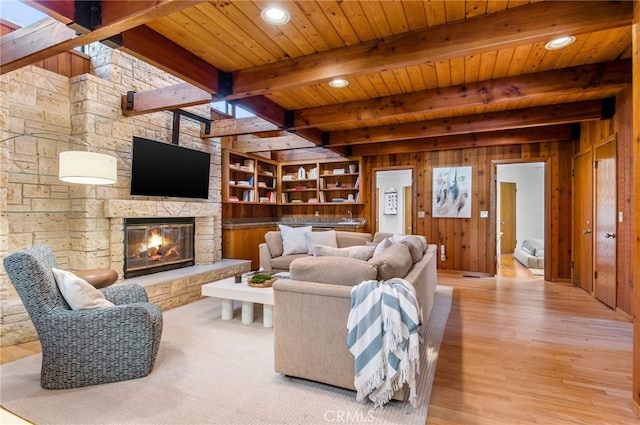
<point x="635" y="142"/>
<point x="470" y="243"/>
<point x="591" y="134"/>
<point x="624" y="238"/>
<point x="560" y="155"/>
<point x="242" y="243"/>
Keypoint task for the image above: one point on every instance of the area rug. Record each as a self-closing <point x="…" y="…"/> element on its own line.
<point x="211" y="371"/>
<point x="537" y="272"/>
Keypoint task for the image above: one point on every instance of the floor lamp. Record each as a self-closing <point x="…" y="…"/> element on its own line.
<point x="81" y="167"/>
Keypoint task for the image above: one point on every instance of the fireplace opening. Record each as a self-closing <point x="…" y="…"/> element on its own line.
<point x="153" y="245"/>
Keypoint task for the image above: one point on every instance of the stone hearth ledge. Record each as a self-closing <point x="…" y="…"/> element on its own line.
<point x="174" y="288"/>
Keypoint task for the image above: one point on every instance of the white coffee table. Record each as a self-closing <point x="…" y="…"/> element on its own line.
<point x="229" y="291"/>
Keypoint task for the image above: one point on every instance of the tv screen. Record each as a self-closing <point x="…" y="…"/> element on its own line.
<point x="163" y="169"/>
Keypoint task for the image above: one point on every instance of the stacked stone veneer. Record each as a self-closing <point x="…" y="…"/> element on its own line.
<point x="84" y="224"/>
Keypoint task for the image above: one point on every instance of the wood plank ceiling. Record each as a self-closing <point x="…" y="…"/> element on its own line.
<point x="418" y="71"/>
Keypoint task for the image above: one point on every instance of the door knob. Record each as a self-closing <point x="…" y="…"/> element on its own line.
<point x="610" y="235"/>
<point x="586" y="232"/>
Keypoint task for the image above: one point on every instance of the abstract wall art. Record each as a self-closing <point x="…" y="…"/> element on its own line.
<point x="452" y="192"/>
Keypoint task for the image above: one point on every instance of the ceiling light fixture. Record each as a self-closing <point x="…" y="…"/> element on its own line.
<point x="275" y="15"/>
<point x="338" y="83"/>
<point x="560" y="42"/>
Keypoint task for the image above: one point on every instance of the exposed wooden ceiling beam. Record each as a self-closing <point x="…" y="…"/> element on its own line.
<point x="538" y="22"/>
<point x="494" y="121"/>
<point x="153" y="48"/>
<point x="303" y="154"/>
<point x="249" y="143"/>
<point x="164" y="99"/>
<point x="27" y="45"/>
<point x="577" y="80"/>
<point x="232" y="126"/>
<point x="498" y="138"/>
<point x="117" y="16"/>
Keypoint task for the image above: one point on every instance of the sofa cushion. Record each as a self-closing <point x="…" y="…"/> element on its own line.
<point x="345" y="239"/>
<point x="394" y="261"/>
<point x="293" y="239"/>
<point x="359" y="252"/>
<point x="333" y="270"/>
<point x="379" y="236"/>
<point x="284" y="261"/>
<point x="327" y="238"/>
<point x="274" y="242"/>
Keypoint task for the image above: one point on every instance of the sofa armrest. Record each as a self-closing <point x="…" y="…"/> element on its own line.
<point x="265" y="257"/>
<point x="310" y="331"/>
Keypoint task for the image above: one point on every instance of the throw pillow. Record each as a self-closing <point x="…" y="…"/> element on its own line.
<point x="393" y="262"/>
<point x="293" y="239"/>
<point x="79" y="293"/>
<point x="382" y="245"/>
<point x="360" y="252"/>
<point x="327" y="238"/>
<point x="416" y="244"/>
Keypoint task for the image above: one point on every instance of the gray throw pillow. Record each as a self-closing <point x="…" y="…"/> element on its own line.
<point x="394" y="261"/>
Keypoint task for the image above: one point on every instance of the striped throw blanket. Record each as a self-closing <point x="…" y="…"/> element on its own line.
<point x="384" y="337"/>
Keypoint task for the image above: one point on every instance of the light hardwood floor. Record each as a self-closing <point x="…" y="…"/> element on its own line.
<point x="519" y="350"/>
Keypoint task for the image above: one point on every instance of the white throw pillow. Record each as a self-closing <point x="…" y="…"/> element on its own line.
<point x="327" y="238"/>
<point x="382" y="245"/>
<point x="359" y="252"/>
<point x="293" y="239"/>
<point x="79" y="293"/>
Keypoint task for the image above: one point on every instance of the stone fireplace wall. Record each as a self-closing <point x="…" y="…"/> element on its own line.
<point x="84" y="224"/>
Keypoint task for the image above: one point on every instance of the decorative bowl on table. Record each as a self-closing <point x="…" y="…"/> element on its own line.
<point x="261" y="280"/>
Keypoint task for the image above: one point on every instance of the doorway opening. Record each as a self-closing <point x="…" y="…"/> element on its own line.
<point x="394" y="201"/>
<point x="520" y="214"/>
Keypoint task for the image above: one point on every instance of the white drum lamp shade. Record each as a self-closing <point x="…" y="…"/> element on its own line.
<point x="87" y="167"/>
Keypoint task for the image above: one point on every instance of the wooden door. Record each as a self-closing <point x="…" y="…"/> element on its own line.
<point x="605" y="228"/>
<point x="507" y="217"/>
<point x="408" y="210"/>
<point x="583" y="222"/>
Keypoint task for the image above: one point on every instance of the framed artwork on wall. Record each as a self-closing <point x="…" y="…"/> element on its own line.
<point x="452" y="192"/>
<point x="390" y="201"/>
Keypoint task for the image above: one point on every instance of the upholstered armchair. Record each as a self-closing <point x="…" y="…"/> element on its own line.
<point x="89" y="346"/>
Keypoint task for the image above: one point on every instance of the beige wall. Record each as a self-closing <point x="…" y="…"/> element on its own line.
<point x="84" y="224"/>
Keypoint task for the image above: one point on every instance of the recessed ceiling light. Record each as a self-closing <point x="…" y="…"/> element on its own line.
<point x="338" y="83"/>
<point x="560" y="42"/>
<point x="275" y="15"/>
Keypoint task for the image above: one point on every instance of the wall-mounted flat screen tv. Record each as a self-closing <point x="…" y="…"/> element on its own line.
<point x="163" y="169"/>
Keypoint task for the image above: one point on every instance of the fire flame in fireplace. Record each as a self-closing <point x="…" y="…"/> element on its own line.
<point x="158" y="249"/>
<point x="155" y="240"/>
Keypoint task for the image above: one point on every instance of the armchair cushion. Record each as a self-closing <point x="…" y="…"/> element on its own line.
<point x="79" y="293"/>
